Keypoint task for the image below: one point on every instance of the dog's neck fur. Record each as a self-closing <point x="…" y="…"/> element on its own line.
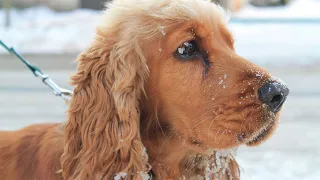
<point x="170" y="158"/>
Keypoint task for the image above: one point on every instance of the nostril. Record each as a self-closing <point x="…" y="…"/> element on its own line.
<point x="276" y="99"/>
<point x="277" y="102"/>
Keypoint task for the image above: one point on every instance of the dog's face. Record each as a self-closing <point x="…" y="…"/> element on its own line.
<point x="204" y="93"/>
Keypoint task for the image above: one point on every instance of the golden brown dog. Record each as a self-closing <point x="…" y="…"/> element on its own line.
<point x="160" y="92"/>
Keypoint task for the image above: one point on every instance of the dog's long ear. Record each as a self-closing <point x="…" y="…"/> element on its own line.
<point x="102" y="136"/>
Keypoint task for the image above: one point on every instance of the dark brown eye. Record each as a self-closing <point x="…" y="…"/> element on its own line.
<point x="188" y="50"/>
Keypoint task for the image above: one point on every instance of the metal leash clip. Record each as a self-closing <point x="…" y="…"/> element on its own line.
<point x="58" y="91"/>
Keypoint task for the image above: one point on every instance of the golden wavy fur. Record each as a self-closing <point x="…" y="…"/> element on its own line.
<point x="138" y="105"/>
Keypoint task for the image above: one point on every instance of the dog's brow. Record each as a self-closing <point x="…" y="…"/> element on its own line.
<point x="191" y="31"/>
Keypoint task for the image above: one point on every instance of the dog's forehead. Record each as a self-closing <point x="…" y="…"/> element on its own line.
<point x="195" y="16"/>
<point x="191" y="10"/>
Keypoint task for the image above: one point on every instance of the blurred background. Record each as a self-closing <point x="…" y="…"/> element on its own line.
<point x="279" y="35"/>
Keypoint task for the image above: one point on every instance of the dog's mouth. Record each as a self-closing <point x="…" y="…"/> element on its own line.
<point x="267" y="129"/>
<point x="258" y="137"/>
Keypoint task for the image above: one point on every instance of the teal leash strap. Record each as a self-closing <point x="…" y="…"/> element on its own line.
<point x="58" y="91"/>
<point x="33" y="68"/>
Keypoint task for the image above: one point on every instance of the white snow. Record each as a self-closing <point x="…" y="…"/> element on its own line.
<point x="266" y="165"/>
<point x="41" y="30"/>
<point x="161" y="28"/>
<point x="278" y="43"/>
<point x="297" y="9"/>
<point x="120" y="176"/>
<point x="144" y="175"/>
<point x="217" y="163"/>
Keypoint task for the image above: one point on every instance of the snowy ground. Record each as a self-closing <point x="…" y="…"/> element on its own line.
<point x="298" y="9"/>
<point x="41" y="30"/>
<point x="289" y="50"/>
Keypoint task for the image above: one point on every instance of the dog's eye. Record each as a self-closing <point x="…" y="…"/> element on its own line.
<point x="187" y="50"/>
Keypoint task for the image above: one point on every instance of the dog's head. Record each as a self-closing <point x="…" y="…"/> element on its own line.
<point x="164" y="67"/>
<point x="199" y="87"/>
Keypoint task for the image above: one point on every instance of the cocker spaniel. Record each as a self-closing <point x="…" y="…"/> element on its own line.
<point x="159" y="94"/>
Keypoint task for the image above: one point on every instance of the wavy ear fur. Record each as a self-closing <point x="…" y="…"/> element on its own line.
<point x="102" y="136"/>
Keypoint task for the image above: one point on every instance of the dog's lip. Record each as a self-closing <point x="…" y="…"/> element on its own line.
<point x="257" y="137"/>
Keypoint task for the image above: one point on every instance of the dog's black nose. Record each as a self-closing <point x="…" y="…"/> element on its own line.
<point x="274" y="95"/>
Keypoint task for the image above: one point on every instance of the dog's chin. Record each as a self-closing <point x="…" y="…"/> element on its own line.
<point x="266" y="131"/>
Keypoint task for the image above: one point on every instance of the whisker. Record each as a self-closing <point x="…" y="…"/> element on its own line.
<point x="211" y="125"/>
<point x="200" y="123"/>
<point x="164" y="142"/>
<point x="223" y="132"/>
